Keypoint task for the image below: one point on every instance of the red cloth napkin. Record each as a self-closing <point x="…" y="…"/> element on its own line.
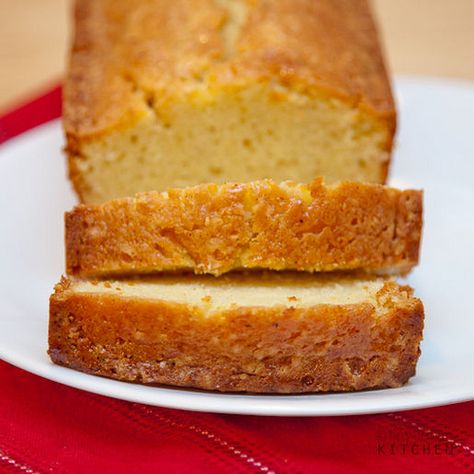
<point x="48" y="427"/>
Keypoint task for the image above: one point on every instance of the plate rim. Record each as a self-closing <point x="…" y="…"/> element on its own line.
<point x="165" y="401"/>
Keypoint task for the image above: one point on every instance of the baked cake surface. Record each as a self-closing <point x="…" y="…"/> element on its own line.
<point x="266" y="332"/>
<point x="165" y="94"/>
<point x="218" y="228"/>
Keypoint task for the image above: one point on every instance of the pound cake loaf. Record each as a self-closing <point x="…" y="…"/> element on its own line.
<point x="271" y="332"/>
<point x="164" y="94"/>
<point x="218" y="228"/>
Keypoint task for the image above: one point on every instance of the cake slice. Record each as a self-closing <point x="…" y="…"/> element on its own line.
<point x="162" y="93"/>
<point x="217" y="228"/>
<point x="254" y="332"/>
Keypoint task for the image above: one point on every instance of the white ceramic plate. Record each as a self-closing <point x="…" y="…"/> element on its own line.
<point x="435" y="151"/>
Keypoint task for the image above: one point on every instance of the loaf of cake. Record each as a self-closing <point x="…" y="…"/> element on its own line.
<point x="163" y="94"/>
<point x="218" y="228"/>
<point x="266" y="332"/>
<point x="254" y="283"/>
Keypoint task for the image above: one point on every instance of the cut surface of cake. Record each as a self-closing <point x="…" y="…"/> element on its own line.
<point x="218" y="228"/>
<point x="266" y="332"/>
<point x="164" y="94"/>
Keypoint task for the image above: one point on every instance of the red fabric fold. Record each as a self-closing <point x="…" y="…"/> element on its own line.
<point x="48" y="427"/>
<point x="31" y="114"/>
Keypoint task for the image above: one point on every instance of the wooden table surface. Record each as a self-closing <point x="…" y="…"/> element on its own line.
<point x="434" y="37"/>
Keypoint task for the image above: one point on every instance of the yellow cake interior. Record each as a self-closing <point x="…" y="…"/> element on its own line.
<point x="219" y="134"/>
<point x="244" y="290"/>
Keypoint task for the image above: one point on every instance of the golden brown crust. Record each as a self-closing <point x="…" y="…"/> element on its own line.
<point x="130" y="56"/>
<point x="255" y="349"/>
<point x="218" y="228"/>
